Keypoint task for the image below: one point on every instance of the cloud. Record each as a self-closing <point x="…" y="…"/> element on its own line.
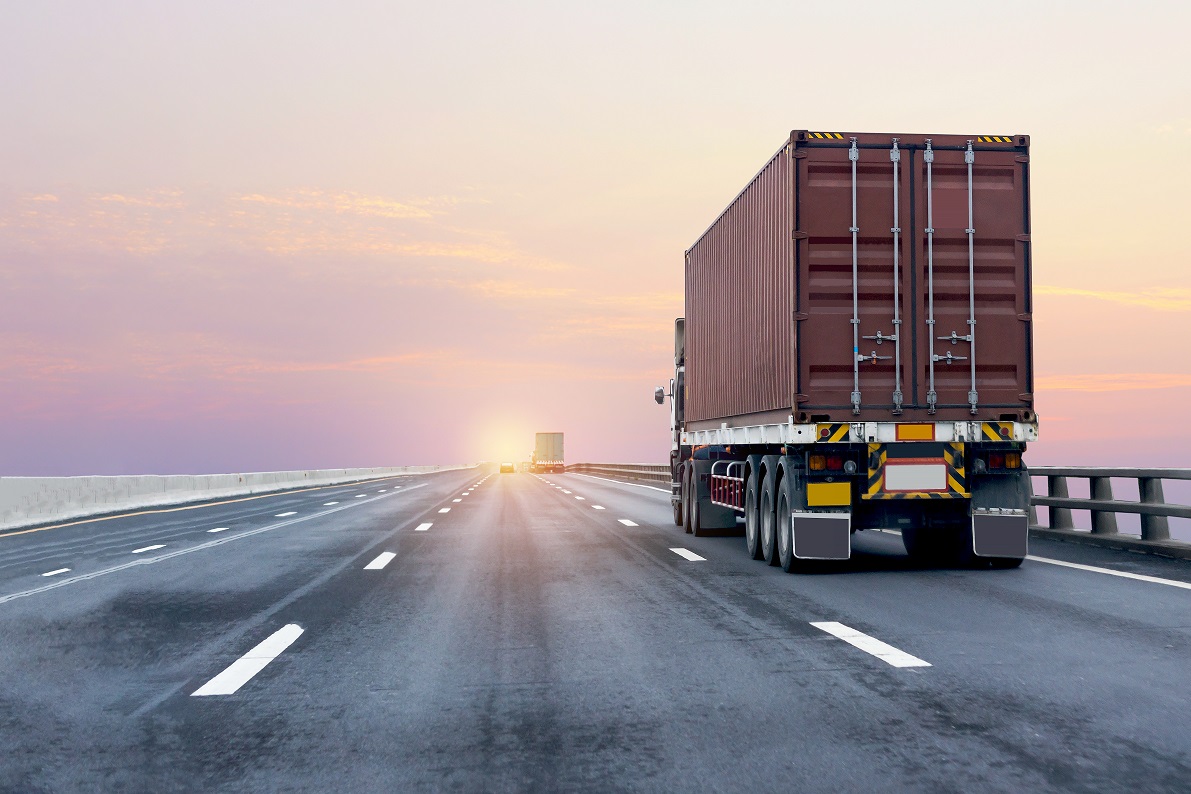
<point x="1174" y="299"/>
<point x="341" y="202"/>
<point x="1114" y="381"/>
<point x="303" y="222"/>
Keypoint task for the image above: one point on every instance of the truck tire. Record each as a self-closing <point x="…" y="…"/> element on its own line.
<point x="769" y="513"/>
<point x="677" y="508"/>
<point x="784" y="531"/>
<point x="752" y="516"/>
<point x="1006" y="563"/>
<point x="686" y="498"/>
<point x="696" y="529"/>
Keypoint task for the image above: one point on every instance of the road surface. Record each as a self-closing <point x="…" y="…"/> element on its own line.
<point x="468" y="631"/>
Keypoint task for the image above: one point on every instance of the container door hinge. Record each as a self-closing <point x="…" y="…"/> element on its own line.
<point x="1026" y="397"/>
<point x="1025" y="317"/>
<point x="1022" y="238"/>
<point x="801" y="398"/>
<point x="799" y="235"/>
<point x="800" y="317"/>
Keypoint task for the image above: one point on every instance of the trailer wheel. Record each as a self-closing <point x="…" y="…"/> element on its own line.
<point x="677" y="508"/>
<point x="686" y="498"/>
<point x="752" y="516"/>
<point x="1005" y="563"/>
<point x="769" y="516"/>
<point x="785" y="533"/>
<point x="696" y="516"/>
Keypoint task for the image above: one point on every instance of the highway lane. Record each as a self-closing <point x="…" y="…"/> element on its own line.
<point x="534" y="639"/>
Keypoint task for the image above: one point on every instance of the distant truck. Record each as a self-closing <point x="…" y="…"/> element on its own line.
<point x="857" y="352"/>
<point x="547" y="454"/>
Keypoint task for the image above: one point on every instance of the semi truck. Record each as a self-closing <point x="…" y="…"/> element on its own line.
<point x="856" y="352"/>
<point x="547" y="454"/>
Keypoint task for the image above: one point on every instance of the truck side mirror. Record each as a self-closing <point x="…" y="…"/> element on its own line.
<point x="659" y="395"/>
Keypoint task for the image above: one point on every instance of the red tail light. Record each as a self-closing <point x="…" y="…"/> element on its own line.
<point x="996" y="460"/>
<point x="835" y="462"/>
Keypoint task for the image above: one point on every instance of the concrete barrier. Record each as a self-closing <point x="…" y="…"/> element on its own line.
<point x="31" y="501"/>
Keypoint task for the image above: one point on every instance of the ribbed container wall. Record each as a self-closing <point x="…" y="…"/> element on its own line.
<point x="738" y="322"/>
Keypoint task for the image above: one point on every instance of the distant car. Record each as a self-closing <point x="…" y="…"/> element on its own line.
<point x="508" y="468"/>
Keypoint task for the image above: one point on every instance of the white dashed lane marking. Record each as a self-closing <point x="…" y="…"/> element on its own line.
<point x="243" y="669"/>
<point x="445" y="510"/>
<point x="328" y="504"/>
<point x="55" y="573"/>
<point x="218" y="529"/>
<point x="689" y="555"/>
<point x="456" y="500"/>
<point x="380" y="562"/>
<point x="283" y="515"/>
<point x="883" y="651"/>
<point x="423" y="527"/>
<point x="154" y="547"/>
<point x="597" y="507"/>
<point x="361" y="495"/>
<point x="580" y="497"/>
<point x="626" y="522"/>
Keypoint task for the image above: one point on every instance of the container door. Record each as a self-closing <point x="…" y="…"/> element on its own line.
<point x="911" y="278"/>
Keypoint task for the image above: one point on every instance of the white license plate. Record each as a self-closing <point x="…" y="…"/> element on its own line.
<point x="915" y="476"/>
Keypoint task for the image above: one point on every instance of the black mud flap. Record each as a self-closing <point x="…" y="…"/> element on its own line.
<point x="822" y="536"/>
<point x="1000" y="535"/>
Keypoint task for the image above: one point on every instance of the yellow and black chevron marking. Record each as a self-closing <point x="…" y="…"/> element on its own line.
<point x="957" y="478"/>
<point x="996" y="431"/>
<point x="832" y="431"/>
<point x="995" y="139"/>
<point x="876" y="472"/>
<point x="835" y="136"/>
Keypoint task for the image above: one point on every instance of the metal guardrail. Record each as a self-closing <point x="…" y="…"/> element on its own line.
<point x="630" y="471"/>
<point x="1155" y="513"/>
<point x="1152" y="507"/>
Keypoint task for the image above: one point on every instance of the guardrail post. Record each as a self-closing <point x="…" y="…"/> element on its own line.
<point x="1060" y="517"/>
<point x="1153" y="527"/>
<point x="1103" y="522"/>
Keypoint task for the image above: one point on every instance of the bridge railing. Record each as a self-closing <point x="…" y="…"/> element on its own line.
<point x="1151" y="506"/>
<point x="630" y="471"/>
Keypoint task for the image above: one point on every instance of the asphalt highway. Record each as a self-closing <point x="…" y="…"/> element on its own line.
<point x="475" y="631"/>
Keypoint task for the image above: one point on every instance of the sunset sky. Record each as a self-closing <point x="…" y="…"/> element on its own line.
<point x="249" y="236"/>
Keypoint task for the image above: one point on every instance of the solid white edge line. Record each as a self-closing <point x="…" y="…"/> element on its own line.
<point x="627" y="522"/>
<point x="1109" y="572"/>
<point x="871" y="645"/>
<point x="622" y="482"/>
<point x="154" y="547"/>
<point x="688" y="554"/>
<point x="241" y="671"/>
<point x="218" y="529"/>
<point x="383" y="559"/>
<point x="55" y="573"/>
<point x="283" y="515"/>
<point x="169" y="555"/>
<point x="423" y="527"/>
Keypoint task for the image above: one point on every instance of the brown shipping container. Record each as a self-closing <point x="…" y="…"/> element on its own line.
<point x="770" y="290"/>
